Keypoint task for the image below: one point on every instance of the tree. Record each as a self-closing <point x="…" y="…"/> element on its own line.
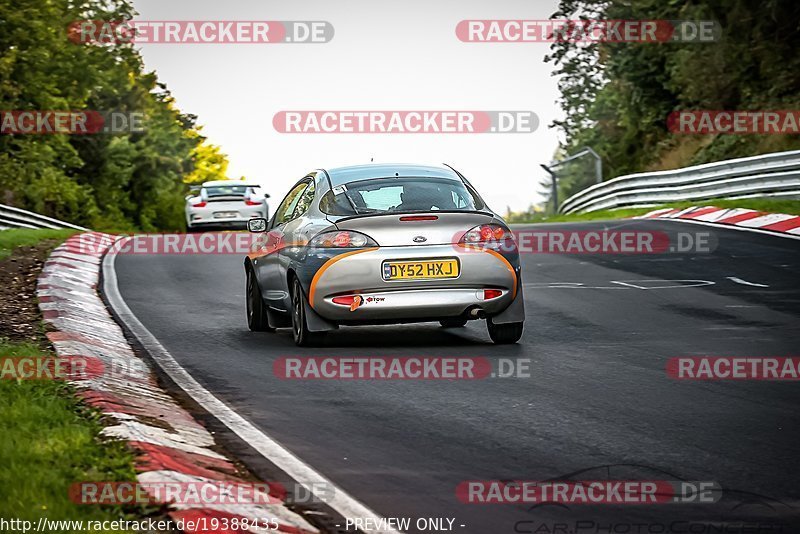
<point x="209" y="164"/>
<point x="617" y="95"/>
<point x="120" y="181"/>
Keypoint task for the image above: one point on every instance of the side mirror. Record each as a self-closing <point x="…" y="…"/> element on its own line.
<point x="257" y="225"/>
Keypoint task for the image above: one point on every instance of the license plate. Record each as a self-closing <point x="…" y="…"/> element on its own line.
<point x="225" y="214"/>
<point x="420" y="270"/>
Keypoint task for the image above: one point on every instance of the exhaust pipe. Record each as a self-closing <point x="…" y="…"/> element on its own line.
<point x="476" y="313"/>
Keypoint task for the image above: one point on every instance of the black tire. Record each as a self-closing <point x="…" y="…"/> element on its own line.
<point x="455" y="322"/>
<point x="504" y="334"/>
<point x="302" y="336"/>
<point x="256" y="310"/>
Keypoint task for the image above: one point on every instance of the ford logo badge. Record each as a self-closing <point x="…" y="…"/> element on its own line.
<point x="420" y="239"/>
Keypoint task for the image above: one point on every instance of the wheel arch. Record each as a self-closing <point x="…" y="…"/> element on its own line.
<point x="291" y="276"/>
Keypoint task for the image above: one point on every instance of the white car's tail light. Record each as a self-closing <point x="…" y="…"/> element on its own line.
<point x="200" y="205"/>
<point x="342" y="239"/>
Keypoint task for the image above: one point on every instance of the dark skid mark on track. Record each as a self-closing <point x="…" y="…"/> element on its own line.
<point x="718" y="316"/>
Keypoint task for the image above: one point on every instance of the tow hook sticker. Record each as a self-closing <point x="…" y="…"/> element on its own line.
<point x="356" y="303"/>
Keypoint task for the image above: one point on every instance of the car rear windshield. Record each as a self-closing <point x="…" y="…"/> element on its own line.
<point x="226" y="190"/>
<point x="399" y="195"/>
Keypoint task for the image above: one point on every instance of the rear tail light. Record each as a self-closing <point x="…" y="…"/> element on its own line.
<point x="489" y="294"/>
<point x="200" y="205"/>
<point x="342" y="239"/>
<point x="486" y="233"/>
<point x="354" y="301"/>
<point x="252" y="202"/>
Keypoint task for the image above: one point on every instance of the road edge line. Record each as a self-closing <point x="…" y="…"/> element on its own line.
<point x="293" y="466"/>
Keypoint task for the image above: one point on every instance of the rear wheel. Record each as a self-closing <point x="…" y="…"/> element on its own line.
<point x="256" y="310"/>
<point x="455" y="322"/>
<point x="504" y="334"/>
<point x="302" y="336"/>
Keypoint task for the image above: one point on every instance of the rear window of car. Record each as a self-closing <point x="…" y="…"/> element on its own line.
<point x="226" y="190"/>
<point x="398" y="195"/>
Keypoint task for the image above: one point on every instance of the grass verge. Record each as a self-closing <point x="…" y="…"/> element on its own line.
<point x="22" y="237"/>
<point x="769" y="205"/>
<point x="48" y="439"/>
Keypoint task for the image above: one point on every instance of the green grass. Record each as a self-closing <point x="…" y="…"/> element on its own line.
<point x="48" y="439"/>
<point x="791" y="207"/>
<point x="23" y="237"/>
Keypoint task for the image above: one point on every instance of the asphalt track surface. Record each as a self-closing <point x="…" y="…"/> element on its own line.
<point x="599" y="331"/>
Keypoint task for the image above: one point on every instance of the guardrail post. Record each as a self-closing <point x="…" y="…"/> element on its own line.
<point x="554" y="194"/>
<point x="598" y="165"/>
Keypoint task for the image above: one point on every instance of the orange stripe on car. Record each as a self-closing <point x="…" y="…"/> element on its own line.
<point x="478" y="248"/>
<point x="509" y="267"/>
<point x="327" y="265"/>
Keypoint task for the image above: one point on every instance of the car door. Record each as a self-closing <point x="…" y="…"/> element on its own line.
<point x="268" y="266"/>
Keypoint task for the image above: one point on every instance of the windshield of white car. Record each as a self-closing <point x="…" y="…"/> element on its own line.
<point x="399" y="195"/>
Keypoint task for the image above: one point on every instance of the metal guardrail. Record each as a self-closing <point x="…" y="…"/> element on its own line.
<point x="775" y="175"/>
<point x="11" y="217"/>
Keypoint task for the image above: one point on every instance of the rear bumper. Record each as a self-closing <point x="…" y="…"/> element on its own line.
<point x="360" y="273"/>
<point x="239" y="224"/>
<point x="414" y="304"/>
<point x="202" y="217"/>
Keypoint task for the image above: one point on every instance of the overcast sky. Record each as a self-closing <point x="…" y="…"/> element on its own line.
<point x="386" y="55"/>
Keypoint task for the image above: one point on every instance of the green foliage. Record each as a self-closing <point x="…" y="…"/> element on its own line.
<point x="121" y="181"/>
<point x="617" y="96"/>
<point x="209" y="164"/>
